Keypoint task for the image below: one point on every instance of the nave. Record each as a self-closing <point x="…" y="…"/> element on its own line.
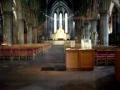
<point x="29" y="75"/>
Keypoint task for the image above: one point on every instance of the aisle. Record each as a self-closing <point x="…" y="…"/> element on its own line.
<point x="55" y="55"/>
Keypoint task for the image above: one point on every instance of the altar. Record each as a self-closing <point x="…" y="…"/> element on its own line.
<point x="60" y="35"/>
<point x="58" y="42"/>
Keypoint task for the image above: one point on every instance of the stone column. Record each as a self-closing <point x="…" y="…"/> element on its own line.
<point x="71" y="29"/>
<point x="7" y="21"/>
<point x="87" y="30"/>
<point x="73" y="33"/>
<point x="104" y="27"/>
<point x="46" y="28"/>
<point x="21" y="31"/>
<point x="7" y="27"/>
<point x="36" y="35"/>
<point x="82" y="32"/>
<point x="82" y="29"/>
<point x="35" y="27"/>
<point x="20" y="22"/>
<point x="1" y="28"/>
<point x="29" y="34"/>
<point x="46" y="34"/>
<point x="15" y="38"/>
<point x="94" y="32"/>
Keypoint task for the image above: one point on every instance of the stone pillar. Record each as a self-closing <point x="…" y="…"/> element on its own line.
<point x="104" y="27"/>
<point x="87" y="30"/>
<point x="94" y="32"/>
<point x="7" y="21"/>
<point x="29" y="34"/>
<point x="73" y="33"/>
<point x="15" y="38"/>
<point x="82" y="32"/>
<point x="71" y="28"/>
<point x="35" y="27"/>
<point x="46" y="28"/>
<point x="20" y="22"/>
<point x="7" y="27"/>
<point x="36" y="35"/>
<point x="21" y="31"/>
<point x="82" y="29"/>
<point x="1" y="28"/>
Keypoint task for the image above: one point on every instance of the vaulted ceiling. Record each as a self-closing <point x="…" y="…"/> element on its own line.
<point x="76" y="5"/>
<point x="79" y="6"/>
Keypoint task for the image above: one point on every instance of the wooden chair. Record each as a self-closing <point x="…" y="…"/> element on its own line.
<point x="100" y="57"/>
<point x="7" y="53"/>
<point x="23" y="54"/>
<point x="16" y="54"/>
<point x="110" y="57"/>
<point x="1" y="54"/>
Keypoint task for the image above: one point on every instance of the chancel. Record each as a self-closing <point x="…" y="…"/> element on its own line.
<point x="60" y="12"/>
<point x="60" y="35"/>
<point x="43" y="43"/>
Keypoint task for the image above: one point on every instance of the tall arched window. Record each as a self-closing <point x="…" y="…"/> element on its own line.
<point x="55" y="22"/>
<point x="66" y="23"/>
<point x="60" y="20"/>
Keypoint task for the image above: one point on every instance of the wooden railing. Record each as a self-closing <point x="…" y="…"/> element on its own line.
<point x="104" y="55"/>
<point x="25" y="51"/>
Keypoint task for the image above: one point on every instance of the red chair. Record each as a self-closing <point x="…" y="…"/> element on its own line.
<point x="100" y="57"/>
<point x="110" y="57"/>
<point x="16" y="53"/>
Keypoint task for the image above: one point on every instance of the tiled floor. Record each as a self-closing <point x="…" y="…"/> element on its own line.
<point x="28" y="75"/>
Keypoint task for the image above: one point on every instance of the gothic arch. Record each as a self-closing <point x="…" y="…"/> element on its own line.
<point x="56" y="5"/>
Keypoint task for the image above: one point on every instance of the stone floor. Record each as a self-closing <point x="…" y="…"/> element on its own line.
<point x="30" y="75"/>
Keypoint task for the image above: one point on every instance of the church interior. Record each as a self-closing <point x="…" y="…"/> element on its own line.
<point x="59" y="45"/>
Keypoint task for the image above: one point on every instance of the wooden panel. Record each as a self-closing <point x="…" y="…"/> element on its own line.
<point x="86" y="58"/>
<point x="117" y="66"/>
<point x="72" y="59"/>
<point x="80" y="59"/>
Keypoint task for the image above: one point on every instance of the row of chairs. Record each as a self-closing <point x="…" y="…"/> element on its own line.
<point x="104" y="57"/>
<point x="26" y="52"/>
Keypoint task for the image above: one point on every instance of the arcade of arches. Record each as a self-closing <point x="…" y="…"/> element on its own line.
<point x="31" y="21"/>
